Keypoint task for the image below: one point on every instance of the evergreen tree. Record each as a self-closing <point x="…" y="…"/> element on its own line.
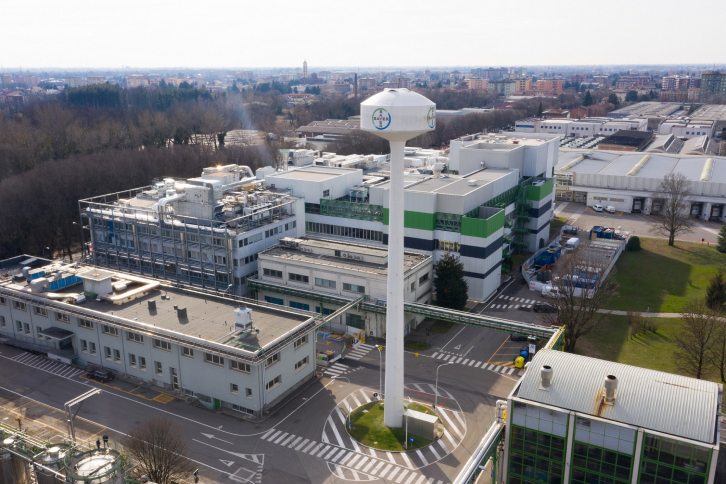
<point x="588" y="99"/>
<point x="613" y="99"/>
<point x="539" y="110"/>
<point x="716" y="292"/>
<point x="451" y="287"/>
<point x="721" y="247"/>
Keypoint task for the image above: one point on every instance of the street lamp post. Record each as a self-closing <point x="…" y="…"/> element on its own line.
<point x="380" y="371"/>
<point x="44" y="249"/>
<point x="348" y="398"/>
<point x="436" y="388"/>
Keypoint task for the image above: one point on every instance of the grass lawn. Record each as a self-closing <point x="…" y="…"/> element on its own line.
<point x="416" y="345"/>
<point x="611" y="341"/>
<point x="663" y="278"/>
<point x="368" y="429"/>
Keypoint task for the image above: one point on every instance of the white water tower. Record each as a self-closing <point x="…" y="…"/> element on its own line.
<point x="396" y="115"/>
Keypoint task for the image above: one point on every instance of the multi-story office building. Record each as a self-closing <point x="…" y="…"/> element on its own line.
<point x="505" y="87"/>
<point x="575" y="419"/>
<point x="476" y="83"/>
<point x="713" y="83"/>
<point x="310" y="268"/>
<point x="199" y="345"/>
<point x="521" y="85"/>
<point x="550" y="85"/>
<point x="203" y="231"/>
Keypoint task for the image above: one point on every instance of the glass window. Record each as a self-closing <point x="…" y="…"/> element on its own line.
<point x="239" y="366"/>
<point x="20" y="305"/>
<point x="299" y="305"/>
<point x="158" y="369"/>
<point x="669" y="461"/>
<point x="213" y="359"/>
<point x="107" y="352"/>
<point x="275" y="300"/>
<point x="41" y="311"/>
<point x="142" y="363"/>
<point x="324" y="283"/>
<point x="234" y="388"/>
<point x="134" y="337"/>
<point x="162" y="345"/>
<point x="62" y="317"/>
<point x="300" y="341"/>
<point x="297" y="277"/>
<point x="271" y="360"/>
<point x="301" y="364"/>
<point x="188" y="352"/>
<point x="110" y="330"/>
<point x="273" y="383"/>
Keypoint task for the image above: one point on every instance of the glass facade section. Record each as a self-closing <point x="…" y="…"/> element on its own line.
<point x="537" y="445"/>
<point x="666" y="461"/>
<point x="602" y="453"/>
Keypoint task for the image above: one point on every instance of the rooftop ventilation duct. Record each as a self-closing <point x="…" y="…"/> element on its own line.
<point x="152" y="305"/>
<point x="546" y="375"/>
<point x="707" y="170"/>
<point x="611" y="384"/>
<point x="639" y="166"/>
<point x="576" y="161"/>
<point x="472" y="183"/>
<point x="181" y="313"/>
<point x="243" y="318"/>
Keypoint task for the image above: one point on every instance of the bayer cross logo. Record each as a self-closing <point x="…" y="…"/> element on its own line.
<point x="431" y="118"/>
<point x="381" y="118"/>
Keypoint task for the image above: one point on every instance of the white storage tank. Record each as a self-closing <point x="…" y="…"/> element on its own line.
<point x="97" y="466"/>
<point x="13" y="470"/>
<point x="52" y="460"/>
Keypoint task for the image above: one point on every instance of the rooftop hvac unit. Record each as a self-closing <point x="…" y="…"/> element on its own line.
<point x="243" y="318"/>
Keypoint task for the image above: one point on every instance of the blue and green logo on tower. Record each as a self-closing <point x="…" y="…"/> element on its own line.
<point x="431" y="118"/>
<point x="381" y="118"/>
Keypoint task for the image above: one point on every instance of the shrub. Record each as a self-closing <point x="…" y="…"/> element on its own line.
<point x="633" y="244"/>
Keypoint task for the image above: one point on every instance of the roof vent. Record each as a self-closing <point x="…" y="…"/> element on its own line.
<point x="611" y="384"/>
<point x="546" y="374"/>
<point x="181" y="313"/>
<point x="472" y="183"/>
<point x="152" y="305"/>
<point x="243" y="318"/>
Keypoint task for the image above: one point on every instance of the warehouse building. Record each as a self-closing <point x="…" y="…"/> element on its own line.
<point x="628" y="181"/>
<point x="575" y="419"/>
<point x="203" y="231"/>
<point x="313" y="268"/>
<point x="192" y="343"/>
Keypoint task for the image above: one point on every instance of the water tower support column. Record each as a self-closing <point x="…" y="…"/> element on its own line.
<point x="393" y="411"/>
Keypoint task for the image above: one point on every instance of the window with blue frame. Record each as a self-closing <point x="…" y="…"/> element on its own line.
<point x="275" y="300"/>
<point x="299" y="305"/>
<point x="326" y="311"/>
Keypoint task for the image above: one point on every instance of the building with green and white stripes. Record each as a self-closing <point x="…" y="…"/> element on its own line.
<point x="499" y="204"/>
<point x="578" y="420"/>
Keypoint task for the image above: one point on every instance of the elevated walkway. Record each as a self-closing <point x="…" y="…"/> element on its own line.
<point x="433" y="312"/>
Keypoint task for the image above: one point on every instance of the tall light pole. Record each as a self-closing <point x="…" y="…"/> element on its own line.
<point x="44" y="249"/>
<point x="436" y="388"/>
<point x="348" y="398"/>
<point x="396" y="115"/>
<point x="380" y="371"/>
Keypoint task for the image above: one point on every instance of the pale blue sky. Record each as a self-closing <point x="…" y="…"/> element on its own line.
<point x="272" y="33"/>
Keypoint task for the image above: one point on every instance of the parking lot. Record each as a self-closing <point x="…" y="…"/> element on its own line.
<point x="635" y="223"/>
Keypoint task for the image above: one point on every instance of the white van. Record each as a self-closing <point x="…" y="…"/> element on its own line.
<point x="597" y="208"/>
<point x="551" y="292"/>
<point x="572" y="243"/>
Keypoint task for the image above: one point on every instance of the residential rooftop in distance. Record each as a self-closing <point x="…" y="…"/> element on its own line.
<point x="646" y="109"/>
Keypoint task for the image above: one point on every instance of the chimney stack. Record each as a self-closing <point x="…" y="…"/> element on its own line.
<point x="611" y="384"/>
<point x="546" y="375"/>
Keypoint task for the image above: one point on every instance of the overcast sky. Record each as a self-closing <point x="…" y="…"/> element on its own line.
<point x="365" y="34"/>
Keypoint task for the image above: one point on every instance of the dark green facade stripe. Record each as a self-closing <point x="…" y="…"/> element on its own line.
<point x="540" y="192"/>
<point x="476" y="227"/>
<point x="414" y="220"/>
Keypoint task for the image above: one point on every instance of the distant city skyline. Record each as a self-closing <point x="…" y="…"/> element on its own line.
<point x="166" y="34"/>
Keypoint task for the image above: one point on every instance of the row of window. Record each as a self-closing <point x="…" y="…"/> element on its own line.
<point x="351" y="232"/>
<point x="247" y="260"/>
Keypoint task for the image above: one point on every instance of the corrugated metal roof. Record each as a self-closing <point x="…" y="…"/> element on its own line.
<point x="655" y="400"/>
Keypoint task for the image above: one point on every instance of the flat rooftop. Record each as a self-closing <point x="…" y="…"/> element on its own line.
<point x="208" y="317"/>
<point x="410" y="259"/>
<point x="451" y="184"/>
<point x="647" y="109"/>
<point x="664" y="402"/>
<point x="658" y="165"/>
<point x="311" y="173"/>
<point x="714" y="112"/>
<point x="507" y="140"/>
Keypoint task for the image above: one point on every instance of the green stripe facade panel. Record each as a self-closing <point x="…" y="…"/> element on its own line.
<point x="414" y="220"/>
<point x="540" y="192"/>
<point x="476" y="227"/>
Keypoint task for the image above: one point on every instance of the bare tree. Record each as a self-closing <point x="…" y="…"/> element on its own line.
<point x="718" y="352"/>
<point x="160" y="447"/>
<point x="697" y="339"/>
<point x="581" y="290"/>
<point x="673" y="217"/>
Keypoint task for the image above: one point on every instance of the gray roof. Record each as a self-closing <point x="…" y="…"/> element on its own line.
<point x="672" y="404"/>
<point x="651" y="108"/>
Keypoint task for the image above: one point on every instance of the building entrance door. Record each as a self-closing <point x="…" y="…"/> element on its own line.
<point x="174" y="379"/>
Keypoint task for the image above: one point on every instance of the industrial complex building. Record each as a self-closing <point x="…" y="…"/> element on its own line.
<point x="628" y="181"/>
<point x="203" y="231"/>
<point x="313" y="268"/>
<point x="194" y="343"/>
<point x="575" y="419"/>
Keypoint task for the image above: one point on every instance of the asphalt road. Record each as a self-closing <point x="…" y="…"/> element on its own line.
<point x="305" y="440"/>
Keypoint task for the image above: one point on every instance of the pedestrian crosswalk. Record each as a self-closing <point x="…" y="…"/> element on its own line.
<point x="48" y="365"/>
<point x="336" y="369"/>
<point x="358" y="351"/>
<point x="452" y="358"/>
<point x="349" y="460"/>
<point x="512" y="302"/>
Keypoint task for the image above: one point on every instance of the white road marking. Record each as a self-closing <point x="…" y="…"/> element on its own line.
<point x="325" y="438"/>
<point x="281" y="437"/>
<point x="354" y="459"/>
<point x="435" y="355"/>
<point x="267" y="434"/>
<point x="472" y="362"/>
<point x="276" y="434"/>
<point x="477" y="364"/>
<point x="457" y="361"/>
<point x="390" y="457"/>
<point x="489" y="367"/>
<point x="362" y="462"/>
<point x="347" y="456"/>
<point x="421" y="456"/>
<point x="304" y="443"/>
<point x="420" y="481"/>
<point x="295" y="442"/>
<point x="357" y="403"/>
<point x="451" y="423"/>
<point x="372" y="451"/>
<point x="458" y="417"/>
<point x="403" y="474"/>
<point x="394" y="472"/>
<point x="287" y="441"/>
<point x="380" y="464"/>
<point x="331" y="453"/>
<point x="305" y="450"/>
<point x="362" y="392"/>
<point x="410" y="478"/>
<point x="408" y="461"/>
<point x="433" y="451"/>
<point x="511" y="371"/>
<point x="385" y="471"/>
<point x="325" y="449"/>
<point x="340" y="454"/>
<point x="370" y="464"/>
<point x="335" y="431"/>
<point x="447" y="357"/>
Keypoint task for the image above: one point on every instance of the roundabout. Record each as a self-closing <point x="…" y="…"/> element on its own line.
<point x="366" y="426"/>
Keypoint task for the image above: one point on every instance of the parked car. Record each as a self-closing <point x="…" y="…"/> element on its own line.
<point x="544" y="307"/>
<point x="597" y="208"/>
<point x="610" y="209"/>
<point x="101" y="375"/>
<point x="517" y="337"/>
